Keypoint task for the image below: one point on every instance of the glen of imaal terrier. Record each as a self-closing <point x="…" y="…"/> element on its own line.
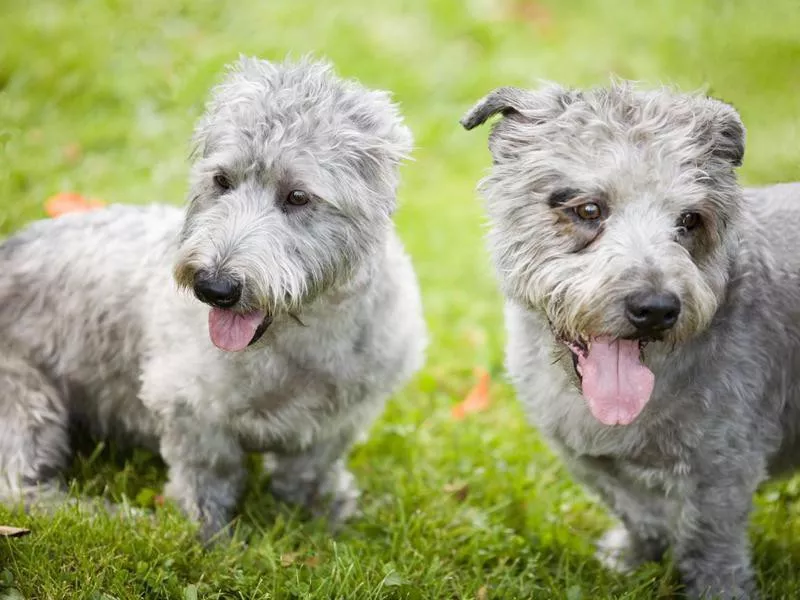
<point x="653" y="312"/>
<point x="305" y="314"/>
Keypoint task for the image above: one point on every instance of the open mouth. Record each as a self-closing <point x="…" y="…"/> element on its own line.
<point x="234" y="331"/>
<point x="580" y="347"/>
<point x="614" y="379"/>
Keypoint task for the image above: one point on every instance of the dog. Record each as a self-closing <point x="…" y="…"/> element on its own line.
<point x="275" y="315"/>
<point x="652" y="312"/>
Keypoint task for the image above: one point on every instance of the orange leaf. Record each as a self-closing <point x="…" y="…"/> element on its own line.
<point x="534" y="13"/>
<point x="72" y="152"/>
<point x="477" y="399"/>
<point x="312" y="561"/>
<point x="69" y="202"/>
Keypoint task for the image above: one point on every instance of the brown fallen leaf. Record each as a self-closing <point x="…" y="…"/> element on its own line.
<point x="72" y="152"/>
<point x="483" y="593"/>
<point x="70" y="202"/>
<point x="7" y="531"/>
<point x="458" y="489"/>
<point x="312" y="561"/>
<point x="534" y="13"/>
<point x="288" y="559"/>
<point x="476" y="338"/>
<point x="477" y="400"/>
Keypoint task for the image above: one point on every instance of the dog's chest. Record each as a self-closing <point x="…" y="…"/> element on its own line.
<point x="289" y="403"/>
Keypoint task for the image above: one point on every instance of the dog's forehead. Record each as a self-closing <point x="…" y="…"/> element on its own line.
<point x="267" y="132"/>
<point x="621" y="152"/>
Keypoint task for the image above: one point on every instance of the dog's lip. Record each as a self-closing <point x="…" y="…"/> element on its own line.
<point x="261" y="329"/>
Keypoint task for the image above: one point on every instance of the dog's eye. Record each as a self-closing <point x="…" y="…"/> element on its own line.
<point x="589" y="211"/>
<point x="297" y="198"/>
<point x="222" y="182"/>
<point x="689" y="220"/>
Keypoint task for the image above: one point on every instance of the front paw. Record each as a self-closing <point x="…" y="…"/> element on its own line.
<point x="619" y="551"/>
<point x="339" y="499"/>
<point x="210" y="507"/>
<point x="714" y="591"/>
<point x="332" y="495"/>
<point x="614" y="551"/>
<point x="704" y="582"/>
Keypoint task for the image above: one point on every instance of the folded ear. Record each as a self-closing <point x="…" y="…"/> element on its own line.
<point x="727" y="132"/>
<point x="522" y="111"/>
<point x="532" y="105"/>
<point x="502" y="100"/>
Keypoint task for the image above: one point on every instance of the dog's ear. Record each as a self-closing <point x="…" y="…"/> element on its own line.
<point x="522" y="111"/>
<point x="727" y="132"/>
<point x="503" y="100"/>
<point x="535" y="106"/>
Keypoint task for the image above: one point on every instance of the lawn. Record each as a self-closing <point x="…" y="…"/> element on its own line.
<point x="100" y="97"/>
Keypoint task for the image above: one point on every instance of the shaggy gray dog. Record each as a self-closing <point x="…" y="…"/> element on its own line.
<point x="309" y="314"/>
<point x="653" y="312"/>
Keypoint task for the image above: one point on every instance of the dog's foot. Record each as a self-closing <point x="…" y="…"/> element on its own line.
<point x="339" y="498"/>
<point x="332" y="494"/>
<point x="614" y="551"/>
<point x="619" y="551"/>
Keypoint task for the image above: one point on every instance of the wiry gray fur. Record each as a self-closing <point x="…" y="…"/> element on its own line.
<point x="95" y="329"/>
<point x="725" y="411"/>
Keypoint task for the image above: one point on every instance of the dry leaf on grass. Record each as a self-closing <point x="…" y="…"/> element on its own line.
<point x="288" y="559"/>
<point x="312" y="561"/>
<point x="532" y="12"/>
<point x="457" y="489"/>
<point x="72" y="152"/>
<point x="69" y="202"/>
<point x="292" y="558"/>
<point x="477" y="400"/>
<point x="483" y="593"/>
<point x="7" y="531"/>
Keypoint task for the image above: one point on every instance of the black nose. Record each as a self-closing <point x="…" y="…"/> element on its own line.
<point x="220" y="291"/>
<point x="650" y="312"/>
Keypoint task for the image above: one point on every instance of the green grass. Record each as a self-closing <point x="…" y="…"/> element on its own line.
<point x="100" y="97"/>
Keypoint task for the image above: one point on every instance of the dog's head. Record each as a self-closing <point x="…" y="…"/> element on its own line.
<point x="293" y="186"/>
<point x="612" y="213"/>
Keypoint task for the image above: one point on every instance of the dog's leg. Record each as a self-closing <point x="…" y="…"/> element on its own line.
<point x="34" y="436"/>
<point x="206" y="472"/>
<point x="316" y="479"/>
<point x="711" y="546"/>
<point x="643" y="536"/>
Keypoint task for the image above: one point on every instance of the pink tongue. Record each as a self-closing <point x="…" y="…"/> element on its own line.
<point x="233" y="331"/>
<point x="615" y="383"/>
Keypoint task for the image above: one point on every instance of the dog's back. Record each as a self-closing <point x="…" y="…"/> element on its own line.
<point x="72" y="289"/>
<point x="777" y="207"/>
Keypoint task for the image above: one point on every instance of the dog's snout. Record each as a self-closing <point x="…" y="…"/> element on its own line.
<point x="220" y="291"/>
<point x="652" y="312"/>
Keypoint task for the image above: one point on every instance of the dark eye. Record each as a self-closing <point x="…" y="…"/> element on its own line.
<point x="222" y="182"/>
<point x="297" y="198"/>
<point x="689" y="221"/>
<point x="588" y="212"/>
